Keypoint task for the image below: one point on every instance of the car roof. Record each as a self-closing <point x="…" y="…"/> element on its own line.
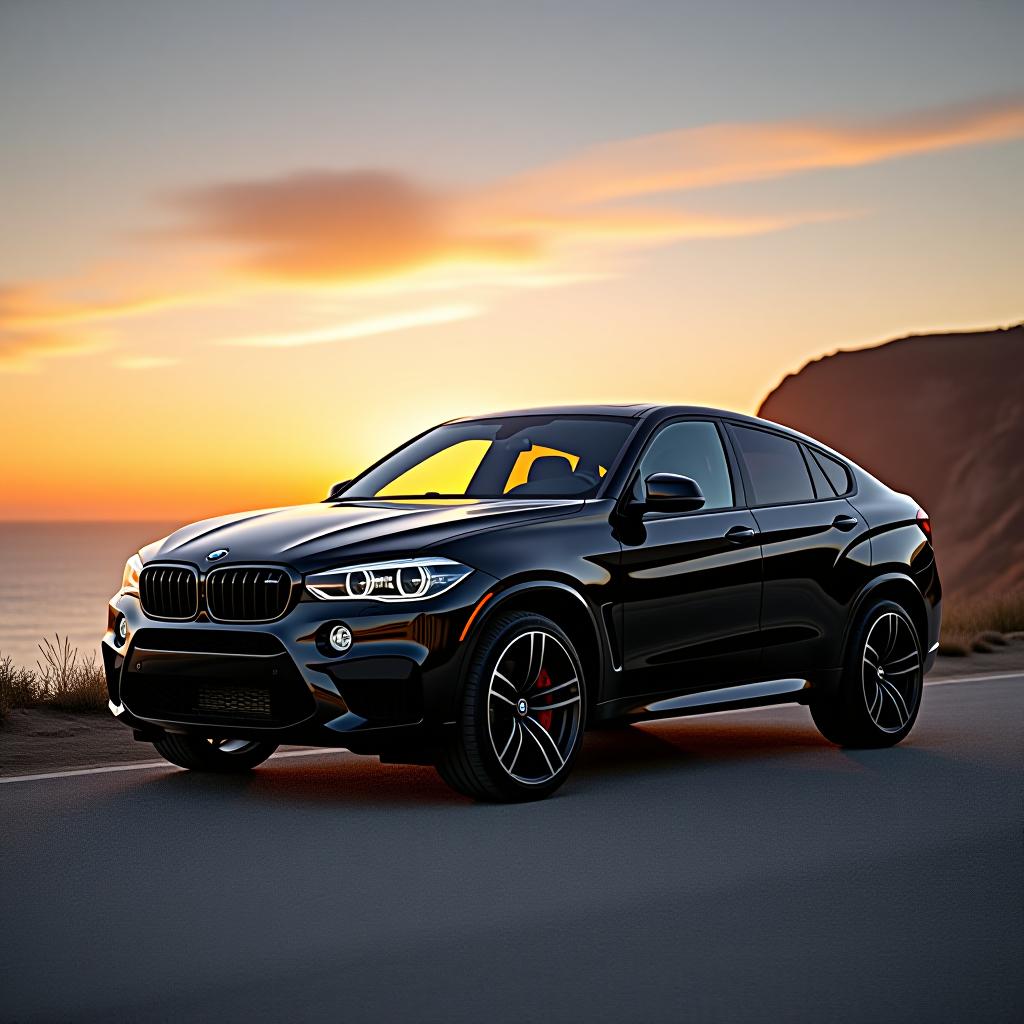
<point x="644" y="410"/>
<point x="623" y="411"/>
<point x="637" y="410"/>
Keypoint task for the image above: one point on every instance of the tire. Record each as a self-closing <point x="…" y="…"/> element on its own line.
<point x="879" y="692"/>
<point x="523" y="713"/>
<point x="224" y="757"/>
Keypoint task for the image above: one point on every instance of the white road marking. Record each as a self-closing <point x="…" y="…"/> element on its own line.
<point x="973" y="679"/>
<point x="326" y="751"/>
<point x="140" y="765"/>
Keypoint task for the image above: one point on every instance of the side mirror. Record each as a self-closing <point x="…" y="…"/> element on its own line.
<point x="670" y="492"/>
<point x="337" y="490"/>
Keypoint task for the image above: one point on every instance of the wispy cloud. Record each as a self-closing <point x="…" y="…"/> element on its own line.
<point x="727" y="154"/>
<point x="145" y="362"/>
<point x="360" y="328"/>
<point x="365" y="231"/>
<point x="22" y="351"/>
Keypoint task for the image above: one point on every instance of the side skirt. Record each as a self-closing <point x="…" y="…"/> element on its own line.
<point x="727" y="698"/>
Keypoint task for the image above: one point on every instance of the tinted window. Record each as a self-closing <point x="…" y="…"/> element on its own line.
<point x="837" y="473"/>
<point x="690" y="449"/>
<point x="776" y="468"/>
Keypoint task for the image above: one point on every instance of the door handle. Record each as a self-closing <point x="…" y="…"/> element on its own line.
<point x="844" y="522"/>
<point x="738" y="534"/>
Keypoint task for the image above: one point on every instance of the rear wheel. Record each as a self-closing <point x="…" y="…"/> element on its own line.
<point x="523" y="713"/>
<point x="225" y="756"/>
<point x="880" y="692"/>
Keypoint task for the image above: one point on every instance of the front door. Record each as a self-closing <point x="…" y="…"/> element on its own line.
<point x="691" y="581"/>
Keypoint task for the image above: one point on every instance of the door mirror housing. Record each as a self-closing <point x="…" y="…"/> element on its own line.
<point x="671" y="492"/>
<point x="337" y="490"/>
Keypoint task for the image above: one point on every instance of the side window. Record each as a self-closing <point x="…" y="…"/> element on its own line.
<point x="838" y="475"/>
<point x="694" y="449"/>
<point x="777" y="471"/>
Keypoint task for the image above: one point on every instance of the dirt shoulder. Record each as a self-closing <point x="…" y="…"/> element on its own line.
<point x="38" y="740"/>
<point x="1002" y="659"/>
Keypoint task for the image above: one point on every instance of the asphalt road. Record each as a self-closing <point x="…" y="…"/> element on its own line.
<point x="727" y="868"/>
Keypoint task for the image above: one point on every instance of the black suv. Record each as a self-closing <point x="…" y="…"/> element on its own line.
<point x="484" y="593"/>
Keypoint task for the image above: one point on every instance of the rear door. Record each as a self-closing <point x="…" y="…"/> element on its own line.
<point x="807" y="531"/>
<point x="691" y="580"/>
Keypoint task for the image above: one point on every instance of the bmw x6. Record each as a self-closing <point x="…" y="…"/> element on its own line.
<point x="485" y="593"/>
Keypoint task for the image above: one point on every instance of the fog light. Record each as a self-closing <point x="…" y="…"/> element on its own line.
<point x="120" y="630"/>
<point x="340" y="638"/>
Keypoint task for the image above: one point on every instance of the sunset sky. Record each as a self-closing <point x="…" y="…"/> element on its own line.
<point x="248" y="247"/>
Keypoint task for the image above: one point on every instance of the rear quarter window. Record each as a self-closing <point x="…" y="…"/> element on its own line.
<point x="775" y="466"/>
<point x="838" y="475"/>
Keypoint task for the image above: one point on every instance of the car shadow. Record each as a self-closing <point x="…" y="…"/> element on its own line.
<point x="652" y="748"/>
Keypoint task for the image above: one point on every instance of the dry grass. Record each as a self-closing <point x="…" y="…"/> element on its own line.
<point x="63" y="679"/>
<point x="981" y="625"/>
<point x="17" y="687"/>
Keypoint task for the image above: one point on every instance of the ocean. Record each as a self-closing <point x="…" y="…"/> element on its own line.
<point x="58" y="577"/>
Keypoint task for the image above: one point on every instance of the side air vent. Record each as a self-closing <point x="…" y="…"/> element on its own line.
<point x="169" y="592"/>
<point x="247" y="593"/>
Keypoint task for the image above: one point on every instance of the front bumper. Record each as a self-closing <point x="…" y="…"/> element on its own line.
<point x="395" y="687"/>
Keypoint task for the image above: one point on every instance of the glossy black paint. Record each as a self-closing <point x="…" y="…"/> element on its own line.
<point x="671" y="611"/>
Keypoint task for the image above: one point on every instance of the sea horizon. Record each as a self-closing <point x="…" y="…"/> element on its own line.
<point x="57" y="577"/>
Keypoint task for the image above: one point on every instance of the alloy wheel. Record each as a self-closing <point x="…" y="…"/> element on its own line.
<point x="891" y="672"/>
<point x="534" y="707"/>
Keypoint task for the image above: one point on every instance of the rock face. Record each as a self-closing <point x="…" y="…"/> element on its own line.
<point x="940" y="417"/>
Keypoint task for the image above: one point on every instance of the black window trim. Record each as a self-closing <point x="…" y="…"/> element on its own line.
<point x="851" y="485"/>
<point x="811" y="463"/>
<point x="739" y="502"/>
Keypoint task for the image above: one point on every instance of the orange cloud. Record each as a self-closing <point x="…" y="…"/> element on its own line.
<point x="339" y="226"/>
<point x="359" y="229"/>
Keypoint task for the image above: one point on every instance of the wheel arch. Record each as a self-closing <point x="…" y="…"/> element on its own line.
<point x="896" y="587"/>
<point x="564" y="605"/>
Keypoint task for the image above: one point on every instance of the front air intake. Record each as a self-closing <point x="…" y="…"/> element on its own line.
<point x="247" y="593"/>
<point x="169" y="592"/>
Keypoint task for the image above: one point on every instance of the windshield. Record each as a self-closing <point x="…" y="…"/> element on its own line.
<point x="522" y="456"/>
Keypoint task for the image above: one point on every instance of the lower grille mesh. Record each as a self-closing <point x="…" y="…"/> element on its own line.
<point x="234" y="700"/>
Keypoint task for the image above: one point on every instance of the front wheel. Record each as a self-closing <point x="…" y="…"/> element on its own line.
<point x="224" y="756"/>
<point x="523" y="713"/>
<point x="880" y="692"/>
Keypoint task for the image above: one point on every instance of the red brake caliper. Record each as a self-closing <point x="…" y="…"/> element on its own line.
<point x="544" y="681"/>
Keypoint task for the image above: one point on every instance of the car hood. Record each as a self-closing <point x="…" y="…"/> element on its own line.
<point x="312" y="537"/>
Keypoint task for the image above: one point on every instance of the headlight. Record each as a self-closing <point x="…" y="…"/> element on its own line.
<point x="412" y="579"/>
<point x="130" y="576"/>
